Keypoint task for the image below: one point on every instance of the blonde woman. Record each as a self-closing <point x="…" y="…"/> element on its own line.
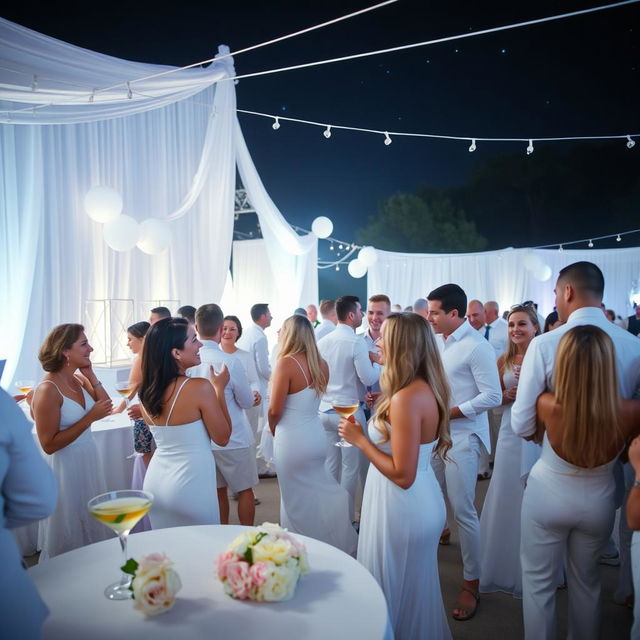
<point x="312" y="502"/>
<point x="403" y="511"/>
<point x="568" y="505"/>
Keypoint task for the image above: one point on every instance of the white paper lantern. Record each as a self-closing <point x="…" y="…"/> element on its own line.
<point x="154" y="236"/>
<point x="103" y="204"/>
<point x="368" y="256"/>
<point x="322" y="227"/>
<point x="536" y="266"/>
<point x="121" y="234"/>
<point x="357" y="268"/>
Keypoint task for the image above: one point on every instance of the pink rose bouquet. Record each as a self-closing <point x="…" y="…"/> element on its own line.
<point x="262" y="564"/>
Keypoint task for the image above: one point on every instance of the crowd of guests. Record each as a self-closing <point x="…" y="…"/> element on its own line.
<point x="417" y="408"/>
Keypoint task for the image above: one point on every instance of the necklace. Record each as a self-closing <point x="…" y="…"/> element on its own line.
<point x="68" y="386"/>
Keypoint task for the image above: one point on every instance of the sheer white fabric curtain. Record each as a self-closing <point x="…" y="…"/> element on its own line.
<point x="501" y="275"/>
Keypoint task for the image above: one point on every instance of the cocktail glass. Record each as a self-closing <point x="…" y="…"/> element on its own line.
<point x="345" y="407"/>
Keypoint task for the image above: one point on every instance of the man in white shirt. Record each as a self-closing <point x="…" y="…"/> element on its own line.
<point x="350" y="371"/>
<point x="378" y="308"/>
<point x="255" y="342"/>
<point x="495" y="330"/>
<point x="329" y="318"/>
<point x="236" y="463"/>
<point x="470" y="364"/>
<point x="579" y="291"/>
<point x="475" y="315"/>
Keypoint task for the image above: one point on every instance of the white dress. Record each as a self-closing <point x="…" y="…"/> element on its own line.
<point x="182" y="475"/>
<point x="500" y="520"/>
<point x="399" y="533"/>
<point x="312" y="503"/>
<point x="79" y="475"/>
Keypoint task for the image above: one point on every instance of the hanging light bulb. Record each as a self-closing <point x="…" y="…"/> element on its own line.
<point x="472" y="147"/>
<point x="337" y="267"/>
<point x="590" y="245"/>
<point x="129" y="92"/>
<point x="560" y="248"/>
<point x="327" y="132"/>
<point x="387" y="138"/>
<point x="276" y="125"/>
<point x="340" y="247"/>
<point x="618" y="238"/>
<point x="331" y="247"/>
<point x="530" y="148"/>
<point x="630" y="142"/>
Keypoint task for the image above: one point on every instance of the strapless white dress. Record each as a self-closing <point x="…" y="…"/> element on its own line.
<point x="399" y="534"/>
<point x="312" y="503"/>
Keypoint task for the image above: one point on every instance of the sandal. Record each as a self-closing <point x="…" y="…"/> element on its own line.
<point x="445" y="538"/>
<point x="470" y="613"/>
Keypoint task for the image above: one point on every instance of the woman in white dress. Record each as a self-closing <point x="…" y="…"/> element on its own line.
<point x="64" y="406"/>
<point x="183" y="414"/>
<point x="403" y="510"/>
<point x="312" y="503"/>
<point x="568" y="506"/>
<point x="500" y="520"/>
<point x="231" y="332"/>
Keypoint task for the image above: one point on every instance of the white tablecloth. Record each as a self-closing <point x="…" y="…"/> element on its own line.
<point x="338" y="599"/>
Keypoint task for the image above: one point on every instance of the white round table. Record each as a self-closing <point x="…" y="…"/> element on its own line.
<point x="338" y="598"/>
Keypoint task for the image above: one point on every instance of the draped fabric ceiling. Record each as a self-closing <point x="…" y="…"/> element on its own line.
<point x="170" y="146"/>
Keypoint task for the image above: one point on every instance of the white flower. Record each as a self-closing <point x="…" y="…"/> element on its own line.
<point x="280" y="584"/>
<point x="277" y="551"/>
<point x="242" y="542"/>
<point x="272" y="529"/>
<point x="155" y="585"/>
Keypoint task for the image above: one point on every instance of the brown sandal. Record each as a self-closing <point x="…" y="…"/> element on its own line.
<point x="470" y="613"/>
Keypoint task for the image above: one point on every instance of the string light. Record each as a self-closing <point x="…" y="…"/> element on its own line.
<point x="630" y="142"/>
<point x="337" y="267"/>
<point x="618" y="238"/>
<point x="331" y="247"/>
<point x="276" y="125"/>
<point x="590" y="241"/>
<point x="590" y="245"/>
<point x="340" y="247"/>
<point x="530" y="148"/>
<point x="472" y="147"/>
<point x="327" y="132"/>
<point x="560" y="248"/>
<point x="387" y="138"/>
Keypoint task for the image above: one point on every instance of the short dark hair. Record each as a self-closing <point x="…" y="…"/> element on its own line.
<point x="585" y="277"/>
<point x="139" y="329"/>
<point x="346" y="305"/>
<point x="258" y="310"/>
<point x="188" y="312"/>
<point x="451" y="296"/>
<point x="209" y="319"/>
<point x="238" y="324"/>
<point x="163" y="312"/>
<point x="552" y="318"/>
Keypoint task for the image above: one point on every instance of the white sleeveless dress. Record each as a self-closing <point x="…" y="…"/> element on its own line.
<point x="312" y="503"/>
<point x="80" y="478"/>
<point x="182" y="475"/>
<point x="399" y="534"/>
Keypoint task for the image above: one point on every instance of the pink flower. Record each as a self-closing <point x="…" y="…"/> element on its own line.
<point x="259" y="572"/>
<point x="238" y="579"/>
<point x="154" y="561"/>
<point x="295" y="543"/>
<point x="222" y="562"/>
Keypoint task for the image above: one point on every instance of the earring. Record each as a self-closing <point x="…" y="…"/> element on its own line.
<point x="67" y="357"/>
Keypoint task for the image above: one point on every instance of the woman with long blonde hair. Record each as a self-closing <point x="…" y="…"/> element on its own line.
<point x="312" y="502"/>
<point x="568" y="507"/>
<point x="403" y="510"/>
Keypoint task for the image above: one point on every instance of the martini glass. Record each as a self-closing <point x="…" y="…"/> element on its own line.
<point x="24" y="386"/>
<point x="120" y="511"/>
<point x="125" y="389"/>
<point x="345" y="407"/>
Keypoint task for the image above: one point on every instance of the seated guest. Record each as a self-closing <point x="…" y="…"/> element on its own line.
<point x="568" y="507"/>
<point x="236" y="462"/>
<point x="329" y="318"/>
<point x="403" y="508"/>
<point x="65" y="404"/>
<point x="28" y="494"/>
<point x="184" y="415"/>
<point x="188" y="313"/>
<point x="158" y="313"/>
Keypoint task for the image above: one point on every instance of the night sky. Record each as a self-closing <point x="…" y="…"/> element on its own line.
<point x="577" y="76"/>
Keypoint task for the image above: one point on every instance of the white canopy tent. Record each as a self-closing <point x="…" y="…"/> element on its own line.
<point x="170" y="144"/>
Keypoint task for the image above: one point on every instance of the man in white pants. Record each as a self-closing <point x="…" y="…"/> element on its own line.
<point x="236" y="463"/>
<point x="579" y="290"/>
<point x="350" y="371"/>
<point x="470" y="364"/>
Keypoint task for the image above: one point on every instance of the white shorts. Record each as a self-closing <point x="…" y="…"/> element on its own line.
<point x="236" y="469"/>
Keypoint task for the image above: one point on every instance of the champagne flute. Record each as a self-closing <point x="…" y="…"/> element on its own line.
<point x="120" y="511"/>
<point x="345" y="407"/>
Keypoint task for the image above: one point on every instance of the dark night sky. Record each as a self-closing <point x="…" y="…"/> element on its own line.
<point x="572" y="77"/>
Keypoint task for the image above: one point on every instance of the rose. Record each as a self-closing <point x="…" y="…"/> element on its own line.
<point x="238" y="582"/>
<point x="259" y="571"/>
<point x="155" y="585"/>
<point x="222" y="562"/>
<point x="242" y="543"/>
<point x="272" y="529"/>
<point x="276" y="550"/>
<point x="280" y="584"/>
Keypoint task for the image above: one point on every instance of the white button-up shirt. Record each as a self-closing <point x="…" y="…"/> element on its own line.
<point x="237" y="393"/>
<point x="255" y="342"/>
<point x="497" y="337"/>
<point x="350" y="369"/>
<point x="470" y="364"/>
<point x="372" y="345"/>
<point x="324" y="328"/>
<point x="536" y="374"/>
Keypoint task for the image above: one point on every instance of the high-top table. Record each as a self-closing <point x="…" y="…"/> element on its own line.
<point x="338" y="599"/>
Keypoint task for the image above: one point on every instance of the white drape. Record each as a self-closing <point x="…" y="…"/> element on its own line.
<point x="501" y="275"/>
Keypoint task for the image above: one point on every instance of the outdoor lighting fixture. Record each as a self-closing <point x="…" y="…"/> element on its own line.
<point x="590" y="245"/>
<point x="276" y="125"/>
<point x="618" y="238"/>
<point x="560" y="248"/>
<point x="472" y="148"/>
<point x="327" y="132"/>
<point x="387" y="138"/>
<point x="530" y="148"/>
<point x="630" y="142"/>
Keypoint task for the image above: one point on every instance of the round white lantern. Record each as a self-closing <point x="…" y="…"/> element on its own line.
<point x="103" y="204"/>
<point x="121" y="234"/>
<point x="322" y="227"/>
<point x="154" y="236"/>
<point x="357" y="268"/>
<point x="368" y="256"/>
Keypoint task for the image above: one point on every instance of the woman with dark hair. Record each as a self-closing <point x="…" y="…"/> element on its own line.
<point x="65" y="404"/>
<point x="231" y="332"/>
<point x="551" y="322"/>
<point x="183" y="419"/>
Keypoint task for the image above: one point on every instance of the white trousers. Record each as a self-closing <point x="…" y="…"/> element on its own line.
<point x="563" y="513"/>
<point x="257" y="420"/>
<point x="348" y="465"/>
<point x="495" y="418"/>
<point x="457" y="479"/>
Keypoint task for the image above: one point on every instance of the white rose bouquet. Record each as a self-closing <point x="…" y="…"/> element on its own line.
<point x="154" y="585"/>
<point x="262" y="564"/>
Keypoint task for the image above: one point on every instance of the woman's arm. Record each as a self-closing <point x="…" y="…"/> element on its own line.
<point x="633" y="501"/>
<point x="279" y="389"/>
<point x="214" y="415"/>
<point x="405" y="414"/>
<point x="90" y="382"/>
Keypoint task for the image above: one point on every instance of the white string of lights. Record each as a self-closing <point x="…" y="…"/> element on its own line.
<point x="588" y="241"/>
<point x="327" y="129"/>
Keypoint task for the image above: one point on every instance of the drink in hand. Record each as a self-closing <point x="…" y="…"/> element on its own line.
<point x="121" y="514"/>
<point x="345" y="408"/>
<point x="24" y="386"/>
<point x="345" y="411"/>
